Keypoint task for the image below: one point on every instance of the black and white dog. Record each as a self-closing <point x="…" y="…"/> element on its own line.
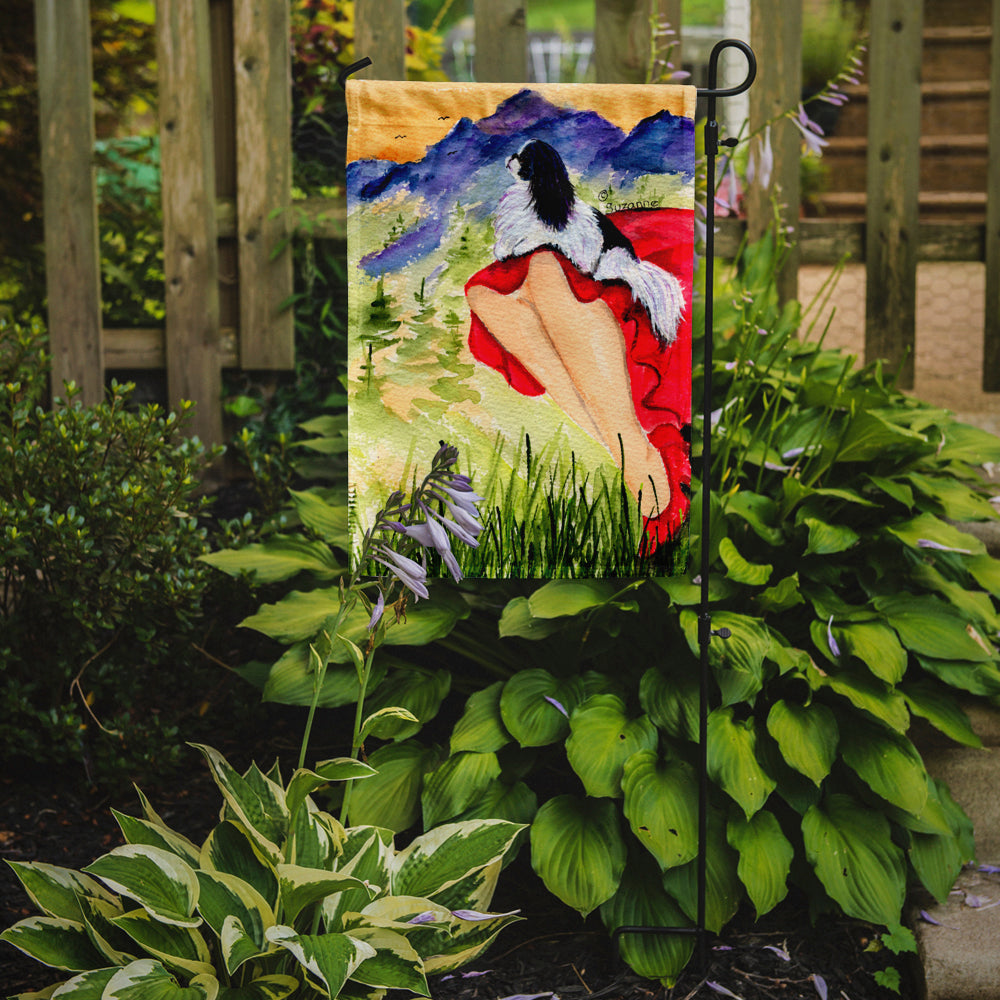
<point x="542" y="210"/>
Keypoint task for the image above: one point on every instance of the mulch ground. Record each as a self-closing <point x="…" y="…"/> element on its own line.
<point x="56" y="818"/>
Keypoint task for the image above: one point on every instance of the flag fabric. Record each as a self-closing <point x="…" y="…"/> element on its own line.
<point x="519" y="269"/>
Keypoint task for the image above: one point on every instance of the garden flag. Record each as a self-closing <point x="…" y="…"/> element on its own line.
<point x="520" y="266"/>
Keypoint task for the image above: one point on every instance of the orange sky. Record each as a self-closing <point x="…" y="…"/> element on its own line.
<point x="389" y="120"/>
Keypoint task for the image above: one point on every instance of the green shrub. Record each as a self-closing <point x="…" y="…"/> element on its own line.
<point x="279" y="900"/>
<point x="99" y="578"/>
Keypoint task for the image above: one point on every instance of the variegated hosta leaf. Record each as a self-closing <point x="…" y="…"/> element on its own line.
<point x="889" y="764"/>
<point x="765" y="858"/>
<point x="535" y="706"/>
<point x="642" y="902"/>
<point x="454" y="785"/>
<point x="256" y="801"/>
<point x="850" y="847"/>
<point x="158" y="880"/>
<point x="225" y="897"/>
<point x="465" y="942"/>
<point x="98" y="916"/>
<point x="149" y="980"/>
<point x="56" y="891"/>
<point x="141" y="831"/>
<point x="300" y="887"/>
<point x="229" y="848"/>
<point x="330" y="959"/>
<point x="441" y="857"/>
<point x="578" y="851"/>
<point x="54" y="941"/>
<point x="315" y="839"/>
<point x="177" y="947"/>
<point x="601" y="740"/>
<point x="366" y="856"/>
<point x="481" y="727"/>
<point x="391" y="799"/>
<point x="724" y="891"/>
<point x="732" y="760"/>
<point x="86" y="986"/>
<point x="661" y="800"/>
<point x="304" y="782"/>
<point x="395" y="965"/>
<point x="275" y="987"/>
<point x="807" y="736"/>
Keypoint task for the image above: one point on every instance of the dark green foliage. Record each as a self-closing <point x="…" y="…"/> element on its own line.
<point x="99" y="539"/>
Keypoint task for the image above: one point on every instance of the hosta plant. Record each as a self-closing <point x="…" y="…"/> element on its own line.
<point x="279" y="900"/>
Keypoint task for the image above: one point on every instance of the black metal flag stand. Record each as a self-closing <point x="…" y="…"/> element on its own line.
<point x="705" y="631"/>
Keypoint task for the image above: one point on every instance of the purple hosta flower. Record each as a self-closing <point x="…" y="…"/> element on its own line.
<point x="410" y="573"/>
<point x="475" y="915"/>
<point x="989" y="869"/>
<point x="820" y="983"/>
<point x="760" y="164"/>
<point x="928" y="543"/>
<point x="719" y="988"/>
<point x="812" y="134"/>
<point x="727" y="199"/>
<point x="430" y="535"/>
<point x="377" y="612"/>
<point x="427" y="917"/>
<point x="834" y="648"/>
<point x="782" y="953"/>
<point x="558" y="705"/>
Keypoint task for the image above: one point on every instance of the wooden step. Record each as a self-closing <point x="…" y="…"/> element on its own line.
<point x="945" y="106"/>
<point x="952" y="162"/>
<point x="969" y="206"/>
<point x="952" y="53"/>
<point x="941" y="13"/>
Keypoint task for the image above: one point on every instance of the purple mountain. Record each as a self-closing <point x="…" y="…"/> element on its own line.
<point x="467" y="166"/>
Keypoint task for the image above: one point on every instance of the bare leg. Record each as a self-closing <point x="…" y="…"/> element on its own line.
<point x="575" y="350"/>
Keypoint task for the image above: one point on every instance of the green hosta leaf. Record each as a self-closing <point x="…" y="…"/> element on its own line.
<point x="142" y="831"/>
<point x="517" y="620"/>
<point x="265" y="988"/>
<point x="395" y="965"/>
<point x="438" y="859"/>
<point x="868" y="693"/>
<point x="559" y="598"/>
<point x="976" y="678"/>
<point x="807" y="736"/>
<point x="828" y="539"/>
<point x="327" y="520"/>
<point x="278" y="558"/>
<point x="291" y="679"/>
<point x="391" y="798"/>
<point x="661" y="799"/>
<point x="671" y="701"/>
<point x="149" y="980"/>
<point x="329" y="958"/>
<point x="870" y="436"/>
<point x="975" y="605"/>
<point x="455" y="784"/>
<point x="893" y="488"/>
<point x="877" y="646"/>
<point x="759" y="512"/>
<point x="516" y="803"/>
<point x="850" y="847"/>
<point x="417" y="690"/>
<point x="159" y="881"/>
<point x="933" y="702"/>
<point x="732" y="760"/>
<point x="259" y="805"/>
<point x="528" y="714"/>
<point x="641" y="902"/>
<point x="481" y="727"/>
<point x="954" y="499"/>
<point x="577" y="850"/>
<point x="765" y="858"/>
<point x="928" y="528"/>
<point x="56" y="891"/>
<point x="741" y="571"/>
<point x="783" y="595"/>
<point x="888" y="763"/>
<point x="931" y="628"/>
<point x="986" y="572"/>
<point x="229" y="849"/>
<point x="601" y="739"/>
<point x="54" y="941"/>
<point x="226" y="898"/>
<point x="301" y="887"/>
<point x="724" y="891"/>
<point x="738" y="662"/>
<point x="178" y="947"/>
<point x="937" y="860"/>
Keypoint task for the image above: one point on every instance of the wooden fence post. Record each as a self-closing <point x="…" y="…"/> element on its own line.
<point x="894" y="60"/>
<point x="264" y="191"/>
<point x="190" y="249"/>
<point x="380" y="34"/>
<point x="991" y="334"/>
<point x="501" y="41"/>
<point x="623" y="37"/>
<point x="72" y="254"/>
<point x="776" y="34"/>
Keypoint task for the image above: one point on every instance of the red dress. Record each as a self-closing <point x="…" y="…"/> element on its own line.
<point x="660" y="379"/>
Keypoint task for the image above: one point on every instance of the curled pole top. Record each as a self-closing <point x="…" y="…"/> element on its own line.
<point x="712" y="91"/>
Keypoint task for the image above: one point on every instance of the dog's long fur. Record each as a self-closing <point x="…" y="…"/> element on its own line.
<point x="542" y="210"/>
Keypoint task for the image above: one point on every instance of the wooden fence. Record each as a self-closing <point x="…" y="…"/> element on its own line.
<point x="224" y="108"/>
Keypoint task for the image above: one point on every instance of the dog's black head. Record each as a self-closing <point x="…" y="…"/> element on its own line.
<point x="551" y="191"/>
